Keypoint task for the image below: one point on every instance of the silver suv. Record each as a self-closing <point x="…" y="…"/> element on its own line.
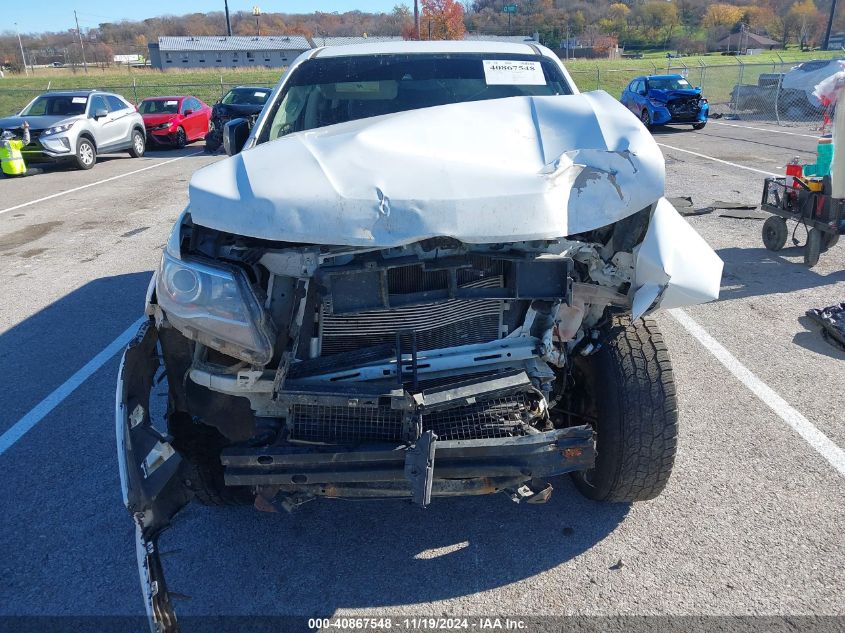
<point x="76" y="126"/>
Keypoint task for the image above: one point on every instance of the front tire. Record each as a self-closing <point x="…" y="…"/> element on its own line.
<point x="139" y="144"/>
<point x="630" y="393"/>
<point x="181" y="139"/>
<point x="699" y="126"/>
<point x="86" y="153"/>
<point x="200" y="445"/>
<point x="645" y="117"/>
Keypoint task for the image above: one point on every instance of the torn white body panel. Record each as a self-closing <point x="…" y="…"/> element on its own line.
<point x="675" y="267"/>
<point x="503" y="170"/>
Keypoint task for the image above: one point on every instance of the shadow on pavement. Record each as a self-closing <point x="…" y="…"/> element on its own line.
<point x="335" y="554"/>
<point x="41" y="352"/>
<point x="752" y="272"/>
<point x="816" y="341"/>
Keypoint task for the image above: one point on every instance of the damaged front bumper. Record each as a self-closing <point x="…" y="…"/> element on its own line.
<point x="153" y="490"/>
<point x="420" y="471"/>
<point x="284" y="475"/>
<point x="679" y="111"/>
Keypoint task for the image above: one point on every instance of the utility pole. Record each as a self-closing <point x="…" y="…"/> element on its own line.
<point x="829" y="25"/>
<point x="256" y="11"/>
<point x="23" y="57"/>
<point x="81" y="47"/>
<point x="228" y="21"/>
<point x="417" y="20"/>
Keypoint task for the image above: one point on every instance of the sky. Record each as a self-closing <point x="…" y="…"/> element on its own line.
<point x="33" y="16"/>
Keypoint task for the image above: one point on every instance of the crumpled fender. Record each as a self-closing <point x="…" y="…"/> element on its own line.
<point x="674" y="266"/>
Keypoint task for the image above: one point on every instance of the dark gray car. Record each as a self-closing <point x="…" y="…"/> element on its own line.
<point x="76" y="126"/>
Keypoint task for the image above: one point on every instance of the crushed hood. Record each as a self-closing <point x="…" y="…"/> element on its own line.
<point x="671" y="95"/>
<point x="503" y="170"/>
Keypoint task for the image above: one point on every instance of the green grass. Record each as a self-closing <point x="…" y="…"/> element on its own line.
<point x="717" y="74"/>
<point x="16" y="91"/>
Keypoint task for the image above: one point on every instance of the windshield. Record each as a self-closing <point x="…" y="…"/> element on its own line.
<point x="323" y="92"/>
<point x="159" y="106"/>
<point x="56" y="105"/>
<point x="246" y="96"/>
<point x="669" y="83"/>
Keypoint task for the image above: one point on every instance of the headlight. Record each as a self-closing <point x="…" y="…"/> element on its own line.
<point x="163" y="126"/>
<point x="215" y="306"/>
<point x="58" y="129"/>
<point x="659" y="104"/>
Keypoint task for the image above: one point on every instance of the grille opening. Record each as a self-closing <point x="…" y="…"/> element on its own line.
<point x="508" y="416"/>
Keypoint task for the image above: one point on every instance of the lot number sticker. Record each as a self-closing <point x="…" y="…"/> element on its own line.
<point x="513" y="73"/>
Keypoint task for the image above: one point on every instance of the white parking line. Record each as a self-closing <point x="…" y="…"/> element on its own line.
<point x="719" y="160"/>
<point x="763" y="129"/>
<point x="820" y="442"/>
<point x="40" y="411"/>
<point x="98" y="182"/>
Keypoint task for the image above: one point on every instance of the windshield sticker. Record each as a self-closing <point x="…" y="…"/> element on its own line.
<point x="80" y="100"/>
<point x="358" y="86"/>
<point x="260" y="94"/>
<point x="170" y="103"/>
<point x="501" y="72"/>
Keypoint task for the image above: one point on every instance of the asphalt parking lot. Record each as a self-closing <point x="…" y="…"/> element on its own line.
<point x="751" y="523"/>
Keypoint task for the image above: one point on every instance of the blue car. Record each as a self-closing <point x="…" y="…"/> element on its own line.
<point x="666" y="99"/>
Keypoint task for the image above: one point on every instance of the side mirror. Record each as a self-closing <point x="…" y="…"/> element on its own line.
<point x="188" y="112"/>
<point x="99" y="114"/>
<point x="235" y="133"/>
<point x="643" y="93"/>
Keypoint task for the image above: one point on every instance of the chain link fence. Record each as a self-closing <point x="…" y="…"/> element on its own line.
<point x="773" y="92"/>
<point x="15" y="99"/>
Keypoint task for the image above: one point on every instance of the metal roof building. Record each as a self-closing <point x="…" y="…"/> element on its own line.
<point x="194" y="51"/>
<point x="342" y="40"/>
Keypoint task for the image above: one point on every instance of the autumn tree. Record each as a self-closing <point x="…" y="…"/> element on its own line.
<point x="805" y="20"/>
<point x="719" y="14"/>
<point x="442" y="20"/>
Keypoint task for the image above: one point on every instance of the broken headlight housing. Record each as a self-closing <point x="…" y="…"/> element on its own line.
<point x="215" y="306"/>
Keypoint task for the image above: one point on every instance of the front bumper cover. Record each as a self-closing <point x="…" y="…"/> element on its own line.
<point x="152" y="488"/>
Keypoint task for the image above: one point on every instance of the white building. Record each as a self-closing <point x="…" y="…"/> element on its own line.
<point x="195" y="51"/>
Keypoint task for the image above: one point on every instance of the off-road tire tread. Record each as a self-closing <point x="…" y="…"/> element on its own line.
<point x="203" y="472"/>
<point x="645" y="406"/>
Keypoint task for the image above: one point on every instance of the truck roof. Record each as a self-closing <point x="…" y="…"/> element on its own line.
<point x="445" y="46"/>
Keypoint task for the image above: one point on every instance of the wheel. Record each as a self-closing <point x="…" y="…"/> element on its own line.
<point x="201" y="444"/>
<point x="139" y="144"/>
<point x="813" y="247"/>
<point x="86" y="153"/>
<point x="775" y="233"/>
<point x="829" y="241"/>
<point x="630" y="395"/>
<point x="645" y="117"/>
<point x="181" y="139"/>
<point x="699" y="126"/>
<point x="213" y="141"/>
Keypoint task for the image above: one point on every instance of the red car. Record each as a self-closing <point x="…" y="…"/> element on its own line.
<point x="175" y="121"/>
